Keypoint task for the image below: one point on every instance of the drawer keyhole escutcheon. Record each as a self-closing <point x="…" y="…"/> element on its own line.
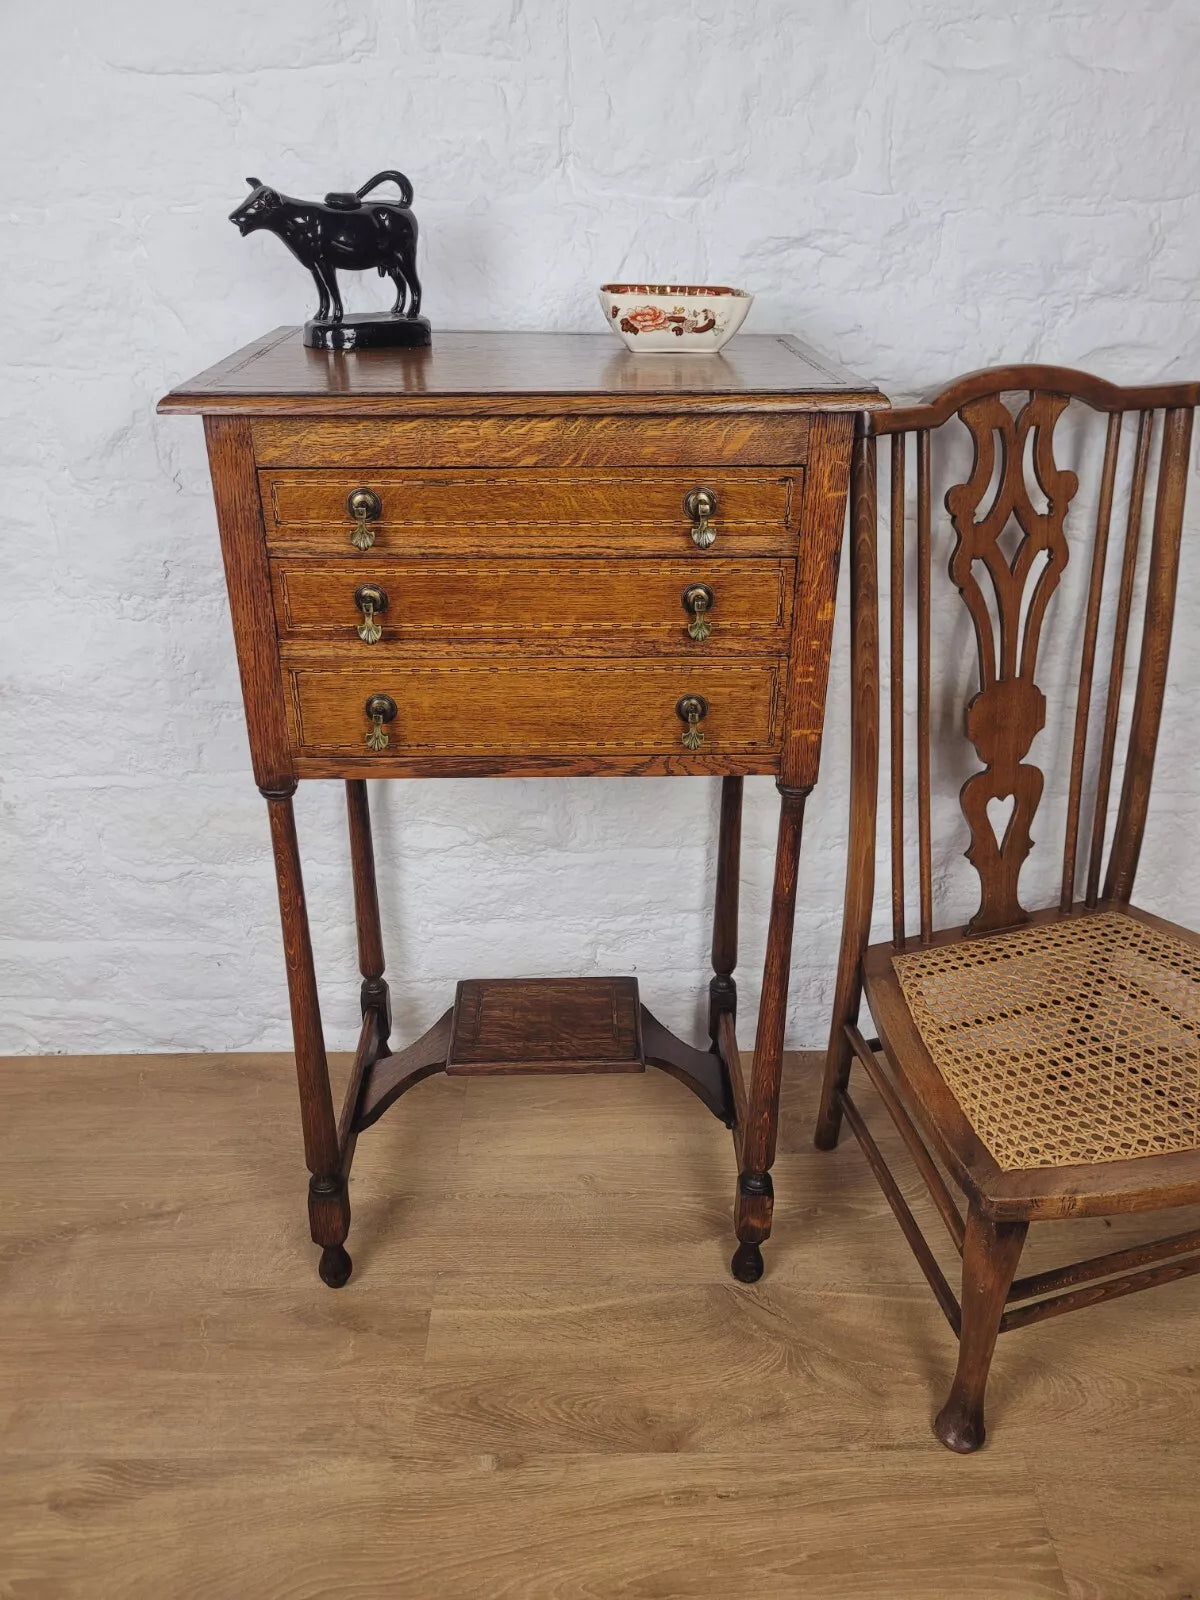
<point x="700" y="504"/>
<point x="372" y="601"/>
<point x="698" y="601"/>
<point x="365" y="506"/>
<point x="380" y="708"/>
<point x="691" y="709"/>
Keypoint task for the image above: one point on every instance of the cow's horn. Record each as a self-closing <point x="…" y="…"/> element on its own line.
<point x="254" y="183"/>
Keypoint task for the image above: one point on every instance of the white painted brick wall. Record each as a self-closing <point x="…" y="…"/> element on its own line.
<point x="916" y="187"/>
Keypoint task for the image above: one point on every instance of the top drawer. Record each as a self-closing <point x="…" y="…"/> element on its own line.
<point x="585" y="512"/>
<point x="746" y="439"/>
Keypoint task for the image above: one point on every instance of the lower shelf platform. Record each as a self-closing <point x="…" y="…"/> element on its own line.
<point x="546" y="1025"/>
<point x="540" y="1025"/>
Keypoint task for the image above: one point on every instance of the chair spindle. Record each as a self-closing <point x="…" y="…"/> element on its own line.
<point x="924" y="556"/>
<point x="1155" y="649"/>
<point x="896" y="691"/>
<point x="1112" y="444"/>
<point x="1116" y="669"/>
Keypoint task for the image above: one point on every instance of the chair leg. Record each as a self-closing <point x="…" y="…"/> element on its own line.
<point x="838" y="1060"/>
<point x="328" y="1202"/>
<point x="864" y="784"/>
<point x="991" y="1251"/>
<point x="366" y="906"/>
<point x="755" y="1197"/>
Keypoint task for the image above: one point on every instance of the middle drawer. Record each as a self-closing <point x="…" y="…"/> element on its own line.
<point x="706" y="606"/>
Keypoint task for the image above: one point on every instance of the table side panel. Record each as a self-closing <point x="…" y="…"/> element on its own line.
<point x="248" y="580"/>
<point x="822" y="521"/>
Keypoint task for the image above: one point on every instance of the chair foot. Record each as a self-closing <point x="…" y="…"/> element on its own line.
<point x="336" y="1265"/>
<point x="825" y="1135"/>
<point x="747" y="1263"/>
<point x="991" y="1251"/>
<point x="959" y="1427"/>
<point x="837" y="1075"/>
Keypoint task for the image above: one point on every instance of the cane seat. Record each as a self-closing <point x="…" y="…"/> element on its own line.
<point x="1066" y="1042"/>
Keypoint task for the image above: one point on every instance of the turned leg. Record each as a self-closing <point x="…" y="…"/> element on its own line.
<point x="328" y="1204"/>
<point x="755" y="1196"/>
<point x="374" y="993"/>
<point x="722" y="990"/>
<point x="991" y="1251"/>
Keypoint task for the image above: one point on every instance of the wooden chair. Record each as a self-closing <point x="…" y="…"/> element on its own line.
<point x="1049" y="1063"/>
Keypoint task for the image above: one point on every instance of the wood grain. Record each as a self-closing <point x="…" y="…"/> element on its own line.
<point x="859" y="891"/>
<point x="722" y="987"/>
<point x="510" y="451"/>
<point x="520" y="440"/>
<point x="1015" y="484"/>
<point x="498" y="370"/>
<point x="247" y="578"/>
<point x="509" y="1025"/>
<point x="530" y="513"/>
<point x="1116" y="661"/>
<point x="374" y="993"/>
<point x="1030" y="376"/>
<point x="316" y="1103"/>
<point x="823" y="516"/>
<point x="530" y="708"/>
<point x="1156" y="648"/>
<point x="185" y="1413"/>
<point x="1009" y="709"/>
<point x="1083" y="699"/>
<point x="524" y="606"/>
<point x="707" y="763"/>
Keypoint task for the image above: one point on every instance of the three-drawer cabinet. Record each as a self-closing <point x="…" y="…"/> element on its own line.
<point x="632" y="611"/>
<point x="541" y="555"/>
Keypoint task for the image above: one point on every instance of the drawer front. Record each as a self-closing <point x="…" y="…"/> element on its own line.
<point x="535" y="708"/>
<point x="610" y="606"/>
<point x="527" y="513"/>
<point x="739" y="439"/>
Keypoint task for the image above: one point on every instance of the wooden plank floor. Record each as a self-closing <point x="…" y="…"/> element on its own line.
<point x="541" y="1381"/>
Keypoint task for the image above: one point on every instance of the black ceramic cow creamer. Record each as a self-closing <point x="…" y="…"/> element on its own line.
<point x="355" y="234"/>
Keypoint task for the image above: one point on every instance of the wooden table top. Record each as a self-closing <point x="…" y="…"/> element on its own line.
<point x="569" y="371"/>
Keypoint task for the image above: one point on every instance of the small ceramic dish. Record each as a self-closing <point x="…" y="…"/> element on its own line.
<point x="675" y="318"/>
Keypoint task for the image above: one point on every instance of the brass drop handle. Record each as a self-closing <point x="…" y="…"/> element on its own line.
<point x="700" y="504"/>
<point x="372" y="601"/>
<point x="380" y="708"/>
<point x="692" y="708"/>
<point x="698" y="601"/>
<point x="365" y="506"/>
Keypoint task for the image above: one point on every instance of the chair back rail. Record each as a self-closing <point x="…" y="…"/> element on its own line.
<point x="1009" y="599"/>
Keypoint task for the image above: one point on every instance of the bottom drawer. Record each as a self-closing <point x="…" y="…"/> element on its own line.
<point x="536" y="708"/>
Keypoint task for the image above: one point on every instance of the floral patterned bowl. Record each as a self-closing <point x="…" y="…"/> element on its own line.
<point x="675" y="318"/>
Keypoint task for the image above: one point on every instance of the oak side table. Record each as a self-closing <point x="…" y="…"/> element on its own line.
<point x="531" y="554"/>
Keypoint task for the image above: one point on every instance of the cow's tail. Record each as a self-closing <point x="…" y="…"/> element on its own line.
<point x="398" y="178"/>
